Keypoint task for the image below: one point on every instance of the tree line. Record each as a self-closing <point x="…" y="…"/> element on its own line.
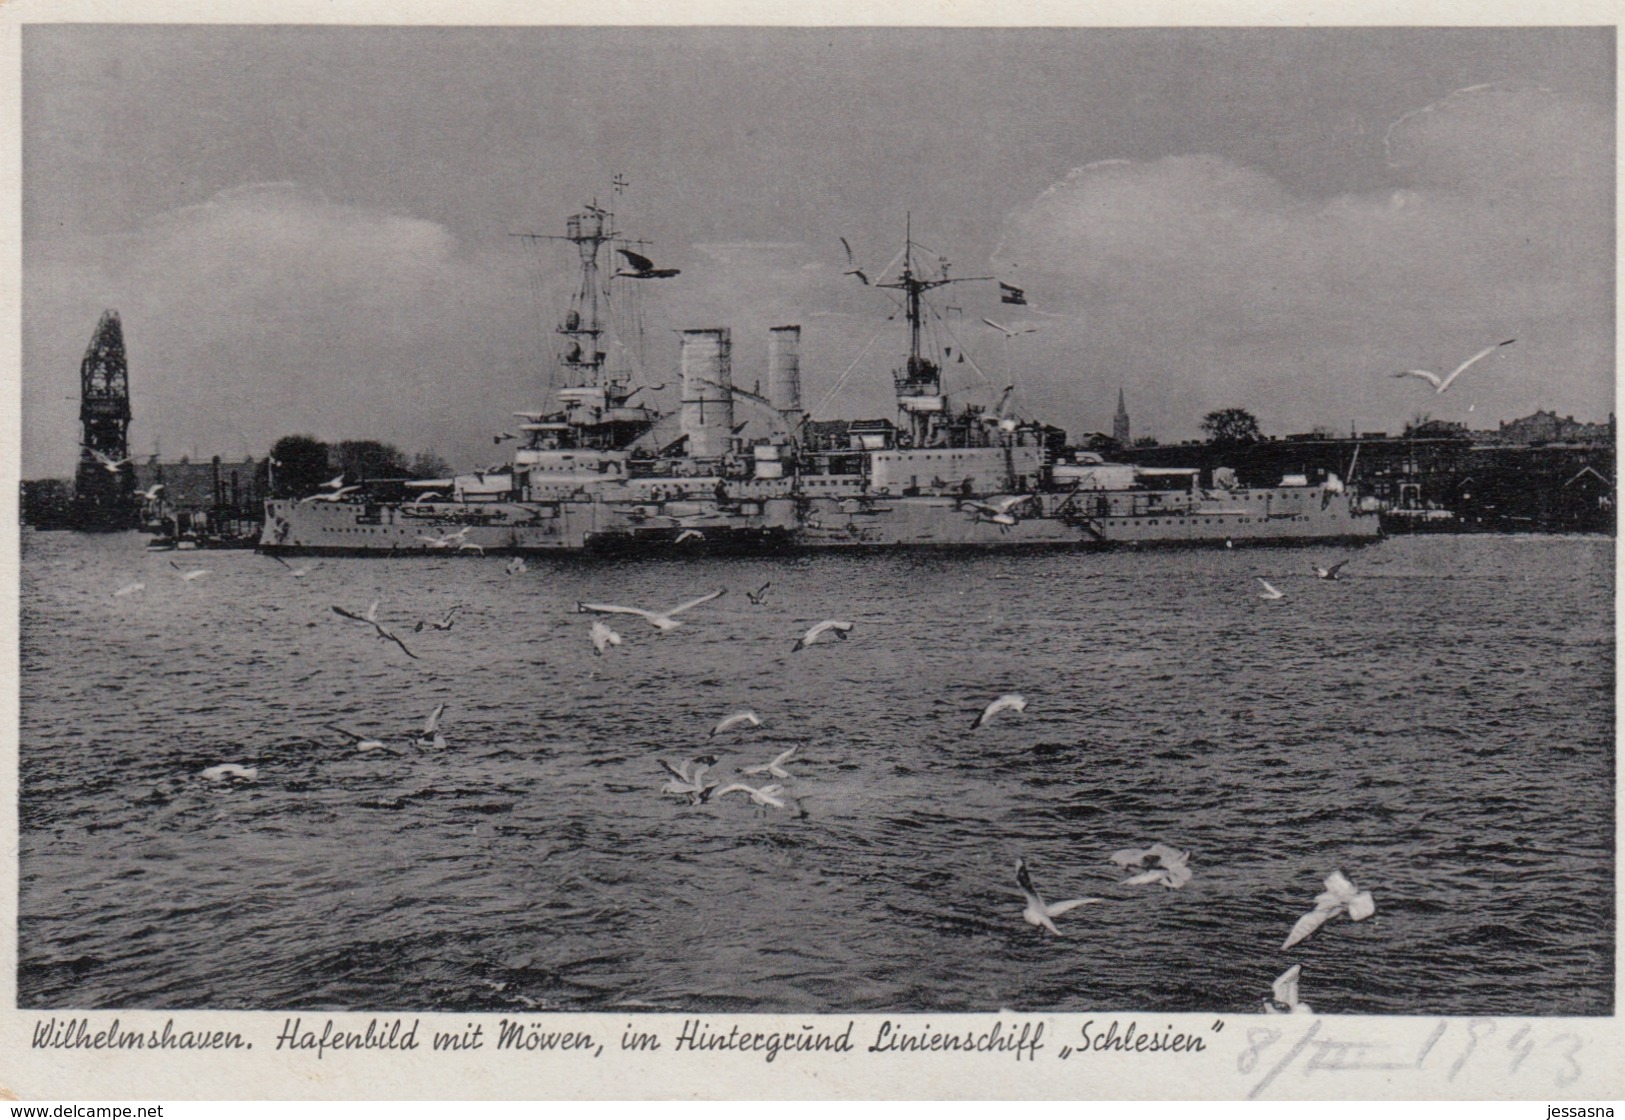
<point x="300" y="465"/>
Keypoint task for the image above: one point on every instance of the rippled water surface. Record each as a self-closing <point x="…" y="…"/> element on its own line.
<point x="1439" y="725"/>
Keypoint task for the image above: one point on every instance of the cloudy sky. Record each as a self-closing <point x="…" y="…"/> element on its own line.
<point x="308" y="229"/>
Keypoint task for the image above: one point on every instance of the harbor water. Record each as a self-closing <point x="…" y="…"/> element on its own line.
<point x="1438" y="725"/>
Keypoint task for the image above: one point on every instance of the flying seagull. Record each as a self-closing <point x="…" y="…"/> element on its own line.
<point x="443" y="624"/>
<point x="431" y="736"/>
<point x="230" y="770"/>
<point x="1009" y="702"/>
<point x="1329" y="573"/>
<point x="384" y="632"/>
<point x="333" y="483"/>
<point x="829" y="626"/>
<point x="515" y="566"/>
<point x="333" y="497"/>
<point x="1285" y="992"/>
<point x="999" y="512"/>
<point x="1039" y="912"/>
<point x="1441" y="384"/>
<point x="642" y="267"/>
<point x="689" y="782"/>
<point x="297" y="573"/>
<point x="1339" y="897"/>
<point x="689" y="535"/>
<point x="111" y="465"/>
<point x="1172" y="870"/>
<point x="661" y="620"/>
<point x="759" y="596"/>
<point x="776" y="767"/>
<point x="192" y="574"/>
<point x="361" y="742"/>
<point x="738" y="719"/>
<point x="1270" y="591"/>
<point x="602" y="638"/>
<point x="150" y="494"/>
<point x="854" y="270"/>
<point x="1006" y="331"/>
<point x="766" y="795"/>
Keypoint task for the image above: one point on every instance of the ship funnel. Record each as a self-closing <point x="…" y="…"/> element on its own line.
<point x="784" y="375"/>
<point x="708" y="406"/>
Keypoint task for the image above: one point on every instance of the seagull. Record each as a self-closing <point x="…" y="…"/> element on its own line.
<point x="998" y="512"/>
<point x="515" y="566"/>
<point x="759" y="596"/>
<point x="111" y="465"/>
<point x="425" y="496"/>
<point x="828" y="626"/>
<point x="129" y="589"/>
<point x="1285" y="991"/>
<point x="689" y="535"/>
<point x="333" y="497"/>
<point x="776" y="767"/>
<point x="297" y="573"/>
<point x="468" y="546"/>
<point x="1006" y="331"/>
<point x="690" y="783"/>
<point x="1339" y="897"/>
<point x="431" y="736"/>
<point x="443" y="624"/>
<point x="189" y="575"/>
<point x="661" y="620"/>
<point x="361" y="742"/>
<point x="854" y="270"/>
<point x="1039" y="912"/>
<point x="333" y="483"/>
<point x="602" y="638"/>
<point x="1329" y="573"/>
<point x="766" y="795"/>
<point x="230" y="770"/>
<point x="384" y="632"/>
<point x="643" y="268"/>
<point x="1009" y="702"/>
<point x="1441" y="384"/>
<point x="1270" y="591"/>
<point x="150" y="494"/>
<point x="1173" y="872"/>
<point x="738" y="719"/>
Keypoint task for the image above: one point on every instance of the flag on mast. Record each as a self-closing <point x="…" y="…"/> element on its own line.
<point x="1009" y="293"/>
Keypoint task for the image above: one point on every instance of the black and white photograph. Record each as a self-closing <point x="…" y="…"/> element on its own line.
<point x="816" y="521"/>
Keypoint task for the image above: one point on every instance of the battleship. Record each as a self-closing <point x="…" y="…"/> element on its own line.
<point x="605" y="471"/>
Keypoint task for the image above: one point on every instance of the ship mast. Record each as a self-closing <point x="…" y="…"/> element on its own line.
<point x="583" y="358"/>
<point x="919" y="383"/>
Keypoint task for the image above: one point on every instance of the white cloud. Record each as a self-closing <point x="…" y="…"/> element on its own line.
<point x="1200" y="284"/>
<point x="269" y="310"/>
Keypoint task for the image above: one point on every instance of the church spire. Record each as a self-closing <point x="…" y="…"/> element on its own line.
<point x="1120" y="428"/>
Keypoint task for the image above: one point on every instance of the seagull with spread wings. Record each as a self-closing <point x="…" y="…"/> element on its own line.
<point x="661" y="620"/>
<point x="1038" y="912"/>
<point x="1339" y="897"/>
<point x="384" y="632"/>
<point x="1440" y="384"/>
<point x="814" y="633"/>
<point x="642" y="268"/>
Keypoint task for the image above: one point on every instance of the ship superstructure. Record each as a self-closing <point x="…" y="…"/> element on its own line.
<point x="604" y="470"/>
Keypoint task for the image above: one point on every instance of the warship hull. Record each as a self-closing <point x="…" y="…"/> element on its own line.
<point x="789" y="523"/>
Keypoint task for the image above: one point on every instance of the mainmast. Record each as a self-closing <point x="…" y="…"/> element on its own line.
<point x="919" y="383"/>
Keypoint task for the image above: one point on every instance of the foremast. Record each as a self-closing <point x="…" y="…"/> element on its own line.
<point x="595" y="396"/>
